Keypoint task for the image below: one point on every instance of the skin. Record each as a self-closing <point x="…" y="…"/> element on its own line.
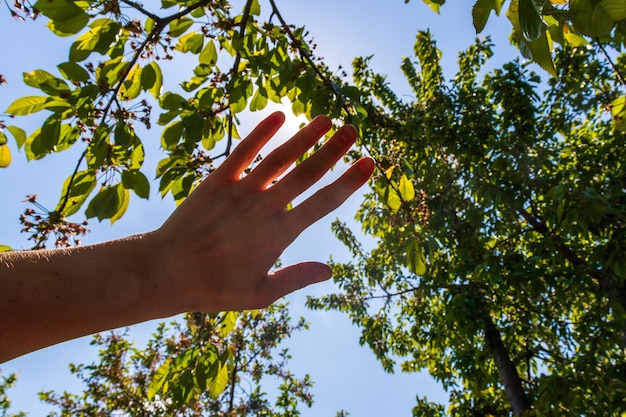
<point x="213" y="254"/>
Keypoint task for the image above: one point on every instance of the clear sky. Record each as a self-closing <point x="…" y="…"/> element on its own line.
<point x="346" y="375"/>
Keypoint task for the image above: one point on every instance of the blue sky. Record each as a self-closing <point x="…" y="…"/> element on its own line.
<point x="346" y="375"/>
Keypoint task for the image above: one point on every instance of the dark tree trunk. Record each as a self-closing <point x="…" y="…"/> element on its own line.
<point x="508" y="373"/>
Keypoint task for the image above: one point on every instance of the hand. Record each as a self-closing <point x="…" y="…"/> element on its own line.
<point x="216" y="249"/>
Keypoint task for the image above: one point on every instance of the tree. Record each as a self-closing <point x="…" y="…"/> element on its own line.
<point x="113" y="75"/>
<point x="538" y="27"/>
<point x="210" y="365"/>
<point x="95" y="101"/>
<point x="498" y="214"/>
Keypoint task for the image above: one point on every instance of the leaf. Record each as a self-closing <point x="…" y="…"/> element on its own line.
<point x="481" y="11"/>
<point x="155" y="90"/>
<point x="393" y="199"/>
<point x="73" y="72"/>
<point x="135" y="180"/>
<point x="171" y="135"/>
<point x="415" y="258"/>
<point x="73" y="197"/>
<point x="255" y="8"/>
<point x="36" y="77"/>
<point x="59" y="10"/>
<point x="18" y="134"/>
<point x="531" y="22"/>
<point x="259" y="100"/>
<point x="27" y="105"/>
<point x="614" y="8"/>
<point x="69" y="27"/>
<point x="5" y="156"/>
<point x="180" y="26"/>
<point x="5" y="248"/>
<point x="228" y="323"/>
<point x="407" y="191"/>
<point x="208" y="56"/>
<point x="110" y="203"/>
<point x="589" y="20"/>
<point x="191" y="42"/>
<point x="132" y="86"/>
<point x="158" y="382"/>
<point x="220" y="382"/>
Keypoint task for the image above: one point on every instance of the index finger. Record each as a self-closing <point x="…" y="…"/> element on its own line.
<point x="244" y="153"/>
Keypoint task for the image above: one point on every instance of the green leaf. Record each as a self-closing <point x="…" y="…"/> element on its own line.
<point x="3" y="138"/>
<point x="614" y="8"/>
<point x="69" y="27"/>
<point x="228" y="323"/>
<point x="173" y="101"/>
<point x="255" y="8"/>
<point x="220" y="382"/>
<point x="589" y="20"/>
<point x="131" y="88"/>
<point x="415" y="258"/>
<point x="208" y="56"/>
<point x="393" y="199"/>
<point x="18" y="134"/>
<point x="407" y="191"/>
<point x="5" y="155"/>
<point x="36" y="77"/>
<point x="73" y="72"/>
<point x="110" y="203"/>
<point x="5" y="248"/>
<point x="191" y="42"/>
<point x="180" y="26"/>
<point x="531" y="22"/>
<point x="59" y="10"/>
<point x="481" y="11"/>
<point x="82" y="184"/>
<point x="99" y="38"/>
<point x="160" y="378"/>
<point x="155" y="90"/>
<point x="259" y="100"/>
<point x="135" y="180"/>
<point x="27" y="105"/>
<point x="171" y="135"/>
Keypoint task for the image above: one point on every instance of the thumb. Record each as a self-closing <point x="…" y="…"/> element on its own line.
<point x="294" y="277"/>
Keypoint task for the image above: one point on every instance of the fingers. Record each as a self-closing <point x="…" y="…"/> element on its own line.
<point x="292" y="278"/>
<point x="330" y="197"/>
<point x="312" y="169"/>
<point x="282" y="157"/>
<point x="249" y="148"/>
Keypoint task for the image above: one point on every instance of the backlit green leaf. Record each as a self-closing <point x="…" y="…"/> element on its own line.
<point x="73" y="72"/>
<point x="27" y="105"/>
<point x="73" y="196"/>
<point x="531" y="22"/>
<point x="18" y="134"/>
<point x="180" y="26"/>
<point x="110" y="203"/>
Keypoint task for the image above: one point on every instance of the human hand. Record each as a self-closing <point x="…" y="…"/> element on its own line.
<point x="215" y="250"/>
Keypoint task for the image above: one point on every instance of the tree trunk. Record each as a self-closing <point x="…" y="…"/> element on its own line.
<point x="508" y="373"/>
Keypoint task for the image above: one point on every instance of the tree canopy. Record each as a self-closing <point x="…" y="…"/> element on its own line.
<point x="497" y="209"/>
<point x="498" y="215"/>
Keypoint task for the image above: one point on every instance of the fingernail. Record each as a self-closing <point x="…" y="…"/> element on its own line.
<point x="321" y="124"/>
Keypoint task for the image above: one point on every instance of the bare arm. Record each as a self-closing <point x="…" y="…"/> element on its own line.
<point x="212" y="254"/>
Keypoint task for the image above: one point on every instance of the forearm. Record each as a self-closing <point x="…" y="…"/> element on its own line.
<point x="47" y="297"/>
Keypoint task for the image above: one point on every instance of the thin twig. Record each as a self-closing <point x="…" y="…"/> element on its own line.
<point x="235" y="72"/>
<point x="608" y="58"/>
<point x="140" y="9"/>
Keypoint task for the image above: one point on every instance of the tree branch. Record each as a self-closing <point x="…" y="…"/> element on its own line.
<point x="619" y="75"/>
<point x="235" y="72"/>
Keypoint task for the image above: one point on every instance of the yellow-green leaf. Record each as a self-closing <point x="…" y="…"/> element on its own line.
<point x="407" y="191"/>
<point x="5" y="156"/>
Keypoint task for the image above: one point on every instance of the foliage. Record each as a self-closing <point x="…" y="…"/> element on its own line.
<point x="539" y="26"/>
<point x="499" y="213"/>
<point x="211" y="365"/>
<point x="7" y="382"/>
<point x="114" y="75"/>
